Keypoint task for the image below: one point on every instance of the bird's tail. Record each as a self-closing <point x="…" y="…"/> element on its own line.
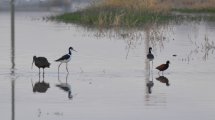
<point x="49" y="65"/>
<point x="57" y="60"/>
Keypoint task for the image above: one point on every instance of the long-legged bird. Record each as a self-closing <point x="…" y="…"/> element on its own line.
<point x="40" y="62"/>
<point x="65" y="59"/>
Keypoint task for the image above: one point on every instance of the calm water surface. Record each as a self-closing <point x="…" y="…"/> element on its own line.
<point x="109" y="73"/>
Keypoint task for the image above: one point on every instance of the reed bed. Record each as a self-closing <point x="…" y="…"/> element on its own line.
<point x="109" y="13"/>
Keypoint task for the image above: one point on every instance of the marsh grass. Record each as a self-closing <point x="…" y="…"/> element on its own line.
<point x="130" y="13"/>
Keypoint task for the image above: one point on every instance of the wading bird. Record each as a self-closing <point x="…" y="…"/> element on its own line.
<point x="65" y="58"/>
<point x="150" y="56"/>
<point x="163" y="67"/>
<point x="40" y="62"/>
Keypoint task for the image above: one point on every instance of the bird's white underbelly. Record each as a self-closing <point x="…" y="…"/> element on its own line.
<point x="66" y="61"/>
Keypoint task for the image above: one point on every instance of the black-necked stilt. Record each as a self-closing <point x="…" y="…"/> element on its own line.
<point x="40" y="62"/>
<point x="163" y="67"/>
<point x="163" y="79"/>
<point x="150" y="56"/>
<point x="65" y="59"/>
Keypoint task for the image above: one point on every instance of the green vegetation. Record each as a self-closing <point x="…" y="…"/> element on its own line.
<point x="192" y="10"/>
<point x="112" y="17"/>
<point x="129" y="13"/>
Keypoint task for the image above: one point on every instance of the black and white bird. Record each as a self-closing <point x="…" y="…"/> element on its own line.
<point x="65" y="58"/>
<point x="150" y="56"/>
<point x="40" y="62"/>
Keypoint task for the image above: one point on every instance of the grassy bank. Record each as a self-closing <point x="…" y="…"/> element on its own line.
<point x="112" y="17"/>
<point x="134" y="12"/>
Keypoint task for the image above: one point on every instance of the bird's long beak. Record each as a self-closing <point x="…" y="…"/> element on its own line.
<point x="32" y="64"/>
<point x="75" y="50"/>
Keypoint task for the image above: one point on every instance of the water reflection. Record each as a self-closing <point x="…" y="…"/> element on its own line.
<point x="149" y="77"/>
<point x="65" y="86"/>
<point x="149" y="85"/>
<point x="40" y="87"/>
<point x="163" y="79"/>
<point x="206" y="47"/>
<point x="13" y="75"/>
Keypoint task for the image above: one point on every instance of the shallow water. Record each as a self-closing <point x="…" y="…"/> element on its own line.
<point x="109" y="73"/>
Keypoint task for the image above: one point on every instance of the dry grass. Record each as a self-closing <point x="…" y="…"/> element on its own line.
<point x="160" y="5"/>
<point x="131" y="13"/>
<point x="138" y="5"/>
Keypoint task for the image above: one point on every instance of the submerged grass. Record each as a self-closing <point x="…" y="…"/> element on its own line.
<point x="130" y="13"/>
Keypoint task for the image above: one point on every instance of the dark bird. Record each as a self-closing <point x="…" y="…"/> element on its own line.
<point x="40" y="62"/>
<point x="163" y="67"/>
<point x="65" y="87"/>
<point x="150" y="56"/>
<point x="65" y="58"/>
<point x="163" y="79"/>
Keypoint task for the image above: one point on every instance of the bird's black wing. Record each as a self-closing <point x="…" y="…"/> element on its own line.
<point x="63" y="58"/>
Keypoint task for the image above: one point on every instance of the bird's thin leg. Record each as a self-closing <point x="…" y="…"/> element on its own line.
<point x="152" y="64"/>
<point x="152" y="68"/>
<point x="43" y="73"/>
<point x="67" y="76"/>
<point x="149" y="67"/>
<point x="39" y="77"/>
<point x="162" y="72"/>
<point x="159" y="73"/>
<point x="59" y="67"/>
<point x="39" y="71"/>
<point x="67" y="67"/>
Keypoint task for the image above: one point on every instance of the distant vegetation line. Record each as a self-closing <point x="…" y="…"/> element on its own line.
<point x="134" y="12"/>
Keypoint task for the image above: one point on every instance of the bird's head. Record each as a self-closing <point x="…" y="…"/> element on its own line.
<point x="71" y="48"/>
<point x="34" y="57"/>
<point x="150" y="48"/>
<point x="167" y="62"/>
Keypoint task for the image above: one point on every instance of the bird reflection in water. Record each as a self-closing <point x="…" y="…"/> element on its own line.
<point x="163" y="79"/>
<point x="40" y="87"/>
<point x="149" y="79"/>
<point x="65" y="86"/>
<point x="149" y="85"/>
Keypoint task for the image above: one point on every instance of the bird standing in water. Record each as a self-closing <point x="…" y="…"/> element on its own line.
<point x="150" y="56"/>
<point x="65" y="58"/>
<point x="40" y="62"/>
<point x="163" y="67"/>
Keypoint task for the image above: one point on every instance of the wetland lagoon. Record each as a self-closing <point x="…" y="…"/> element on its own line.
<point x="109" y="74"/>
